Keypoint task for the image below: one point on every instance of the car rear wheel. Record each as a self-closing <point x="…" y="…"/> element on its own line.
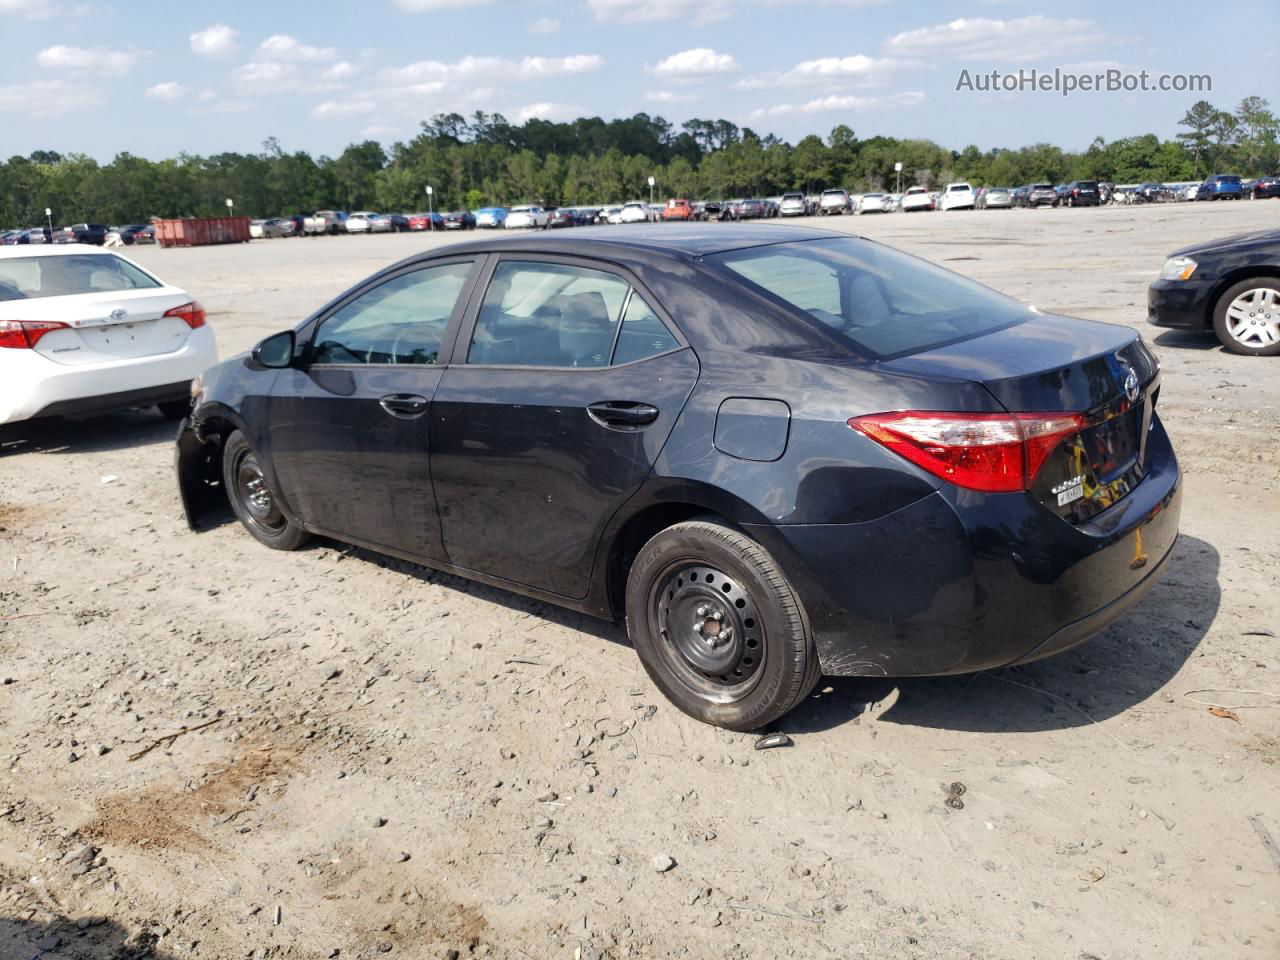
<point x="1247" y="317"/>
<point x="717" y="626"/>
<point x="252" y="499"/>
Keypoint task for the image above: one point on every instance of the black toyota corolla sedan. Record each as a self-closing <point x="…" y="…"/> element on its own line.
<point x="775" y="452"/>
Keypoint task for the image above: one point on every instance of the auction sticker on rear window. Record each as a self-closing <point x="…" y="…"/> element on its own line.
<point x="1069" y="490"/>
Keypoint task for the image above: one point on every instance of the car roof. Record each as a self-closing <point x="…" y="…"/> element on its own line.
<point x="52" y="250"/>
<point x="689" y="240"/>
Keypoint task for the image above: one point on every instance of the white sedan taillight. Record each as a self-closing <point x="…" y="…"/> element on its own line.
<point x="25" y="334"/>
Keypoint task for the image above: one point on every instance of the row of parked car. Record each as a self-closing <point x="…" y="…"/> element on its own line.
<point x="96" y="234"/>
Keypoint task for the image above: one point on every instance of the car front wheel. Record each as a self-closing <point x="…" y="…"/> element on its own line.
<point x="253" y="501"/>
<point x="1247" y="317"/>
<point x="717" y="626"/>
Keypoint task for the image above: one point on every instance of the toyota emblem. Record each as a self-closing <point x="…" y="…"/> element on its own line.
<point x="119" y="313"/>
<point x="1132" y="388"/>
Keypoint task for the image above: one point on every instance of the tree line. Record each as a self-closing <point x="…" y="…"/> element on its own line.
<point x="485" y="159"/>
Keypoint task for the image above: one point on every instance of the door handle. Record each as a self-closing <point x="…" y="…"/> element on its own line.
<point x="406" y="406"/>
<point x="623" y="414"/>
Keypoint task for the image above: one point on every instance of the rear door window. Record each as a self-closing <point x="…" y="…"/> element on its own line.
<point x="544" y="314"/>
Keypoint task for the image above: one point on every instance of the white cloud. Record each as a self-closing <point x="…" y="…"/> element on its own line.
<point x="648" y="11"/>
<point x="545" y="25"/>
<point x="491" y="68"/>
<point x="169" y="90"/>
<point x="266" y="77"/>
<point x="845" y="102"/>
<point x="215" y="41"/>
<point x="694" y="64"/>
<point x="31" y="9"/>
<point x="546" y="111"/>
<point x="1010" y="41"/>
<point x="44" y="98"/>
<point x="342" y="108"/>
<point x="856" y="70"/>
<point x="207" y="95"/>
<point x="428" y="6"/>
<point x="281" y="46"/>
<point x="61" y="57"/>
<point x="340" y="71"/>
<point x="667" y="96"/>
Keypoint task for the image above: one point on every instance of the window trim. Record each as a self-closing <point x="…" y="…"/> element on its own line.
<point x="309" y="329"/>
<point x="467" y="330"/>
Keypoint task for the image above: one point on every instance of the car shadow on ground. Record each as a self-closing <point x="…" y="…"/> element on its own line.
<point x="591" y="626"/>
<point x="90" y="938"/>
<point x="117" y="431"/>
<point x="1127" y="663"/>
<point x="1189" y="340"/>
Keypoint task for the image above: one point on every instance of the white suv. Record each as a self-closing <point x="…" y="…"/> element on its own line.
<point x="957" y="196"/>
<point x="834" y="201"/>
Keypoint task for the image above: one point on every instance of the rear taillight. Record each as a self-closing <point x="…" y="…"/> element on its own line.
<point x="191" y="313"/>
<point x="25" y="334"/>
<point x="992" y="452"/>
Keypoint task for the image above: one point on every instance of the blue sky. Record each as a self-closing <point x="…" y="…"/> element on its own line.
<point x="156" y="78"/>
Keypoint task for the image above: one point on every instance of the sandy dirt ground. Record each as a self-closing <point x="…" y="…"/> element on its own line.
<point x="387" y="761"/>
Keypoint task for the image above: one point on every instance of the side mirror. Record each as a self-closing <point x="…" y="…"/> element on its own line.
<point x="276" y="352"/>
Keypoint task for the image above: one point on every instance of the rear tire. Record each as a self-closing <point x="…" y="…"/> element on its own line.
<point x="1246" y="317"/>
<point x="254" y="503"/>
<point x="717" y="626"/>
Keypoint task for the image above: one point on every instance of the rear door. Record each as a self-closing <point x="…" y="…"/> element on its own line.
<point x="350" y="428"/>
<point x="565" y="384"/>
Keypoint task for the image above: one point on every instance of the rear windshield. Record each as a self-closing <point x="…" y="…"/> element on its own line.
<point x="833" y="193"/>
<point x="1227" y="178"/>
<point x="1087" y="184"/>
<point x="32" y="278"/>
<point x="1042" y="186"/>
<point x="883" y="302"/>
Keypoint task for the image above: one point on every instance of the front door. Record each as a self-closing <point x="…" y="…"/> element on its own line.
<point x="552" y="414"/>
<point x="350" y="428"/>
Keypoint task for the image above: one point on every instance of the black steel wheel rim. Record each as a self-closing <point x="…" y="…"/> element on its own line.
<point x="709" y="630"/>
<point x="255" y="497"/>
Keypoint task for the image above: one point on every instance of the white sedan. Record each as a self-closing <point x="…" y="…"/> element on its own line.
<point x="634" y="212"/>
<point x="85" y="331"/>
<point x="526" y="216"/>
<point x="874" y="203"/>
<point x="958" y="196"/>
<point x="916" y="198"/>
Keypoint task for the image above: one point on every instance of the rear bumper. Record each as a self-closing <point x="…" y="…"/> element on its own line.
<point x="1183" y="304"/>
<point x="32" y="386"/>
<point x="959" y="582"/>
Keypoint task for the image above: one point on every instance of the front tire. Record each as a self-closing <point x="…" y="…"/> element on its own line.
<point x="717" y="626"/>
<point x="1246" y="317"/>
<point x="253" y="501"/>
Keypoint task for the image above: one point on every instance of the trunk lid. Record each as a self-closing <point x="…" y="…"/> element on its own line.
<point x="1052" y="364"/>
<point x="118" y="325"/>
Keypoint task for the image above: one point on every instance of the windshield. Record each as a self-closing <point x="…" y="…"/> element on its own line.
<point x="33" y="278"/>
<point x="885" y="303"/>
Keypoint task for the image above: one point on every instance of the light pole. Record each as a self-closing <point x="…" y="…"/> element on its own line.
<point x="652" y="181"/>
<point x="48" y="215"/>
<point x="897" y="167"/>
<point x="231" y="207"/>
<point x="431" y="216"/>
